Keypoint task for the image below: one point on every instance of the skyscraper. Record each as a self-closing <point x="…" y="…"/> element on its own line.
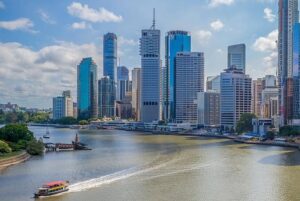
<point x="237" y="57"/>
<point x="296" y="71"/>
<point x="110" y="56"/>
<point x="213" y="83"/>
<point x="136" y="92"/>
<point x="150" y="79"/>
<point x="122" y="73"/>
<point x="288" y="15"/>
<point x="175" y="41"/>
<point x="87" y="98"/>
<point x="122" y="82"/>
<point x="189" y="77"/>
<point x="235" y="96"/>
<point x="106" y="97"/>
<point x="257" y="88"/>
<point x="208" y="106"/>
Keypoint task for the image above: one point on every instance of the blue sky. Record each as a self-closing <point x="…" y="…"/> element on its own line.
<point x="41" y="42"/>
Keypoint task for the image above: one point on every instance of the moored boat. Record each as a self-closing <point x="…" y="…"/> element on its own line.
<point x="52" y="188"/>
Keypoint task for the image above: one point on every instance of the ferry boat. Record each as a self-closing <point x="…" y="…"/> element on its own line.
<point x="52" y="188"/>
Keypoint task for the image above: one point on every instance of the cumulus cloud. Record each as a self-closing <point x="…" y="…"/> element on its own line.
<point x="79" y="25"/>
<point x="268" y="46"/>
<point x="217" y="25"/>
<point x="2" y="6"/>
<point x="41" y="74"/>
<point x="215" y="3"/>
<point x="202" y="35"/>
<point x="269" y="15"/>
<point x="45" y="17"/>
<point x="84" y="12"/>
<point x="268" y="43"/>
<point x="24" y="24"/>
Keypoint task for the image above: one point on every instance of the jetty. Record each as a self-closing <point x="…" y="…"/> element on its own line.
<point x="74" y="146"/>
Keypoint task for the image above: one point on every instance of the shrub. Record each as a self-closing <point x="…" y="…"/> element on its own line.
<point x="4" y="148"/>
<point x="35" y="147"/>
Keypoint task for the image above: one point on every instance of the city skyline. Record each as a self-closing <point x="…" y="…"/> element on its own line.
<point x="34" y="36"/>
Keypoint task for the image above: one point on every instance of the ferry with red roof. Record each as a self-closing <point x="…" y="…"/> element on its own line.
<point x="51" y="188"/>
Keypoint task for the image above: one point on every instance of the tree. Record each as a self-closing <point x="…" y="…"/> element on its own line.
<point x="83" y="122"/>
<point x="35" y="147"/>
<point x="4" y="148"/>
<point x="15" y="132"/>
<point x="245" y="123"/>
<point x="270" y="135"/>
<point x="289" y="131"/>
<point x="67" y="121"/>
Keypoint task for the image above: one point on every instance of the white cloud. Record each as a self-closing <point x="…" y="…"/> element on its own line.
<point x="79" y="25"/>
<point x="269" y="15"/>
<point x="202" y="35"/>
<point x="215" y="3"/>
<point x="18" y="24"/>
<point x="268" y="43"/>
<point x="42" y="74"/>
<point x="124" y="41"/>
<point x="83" y="12"/>
<point x="45" y="17"/>
<point x="268" y="46"/>
<point x="2" y="6"/>
<point x="217" y="25"/>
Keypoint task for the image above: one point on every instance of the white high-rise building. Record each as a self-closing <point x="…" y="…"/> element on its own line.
<point x="189" y="82"/>
<point x="235" y="97"/>
<point x="150" y="78"/>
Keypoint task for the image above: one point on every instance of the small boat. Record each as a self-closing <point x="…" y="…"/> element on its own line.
<point x="47" y="135"/>
<point x="52" y="188"/>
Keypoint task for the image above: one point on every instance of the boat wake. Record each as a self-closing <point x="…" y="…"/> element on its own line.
<point x="162" y="160"/>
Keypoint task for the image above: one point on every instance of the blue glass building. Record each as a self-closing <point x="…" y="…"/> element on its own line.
<point x="110" y="56"/>
<point x="296" y="75"/>
<point x="87" y="89"/>
<point x="176" y="41"/>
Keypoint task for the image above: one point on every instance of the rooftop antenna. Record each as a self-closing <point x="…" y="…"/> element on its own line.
<point x="153" y="23"/>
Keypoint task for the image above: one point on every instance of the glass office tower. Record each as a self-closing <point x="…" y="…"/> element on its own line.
<point x="87" y="89"/>
<point x="176" y="41"/>
<point x="110" y="56"/>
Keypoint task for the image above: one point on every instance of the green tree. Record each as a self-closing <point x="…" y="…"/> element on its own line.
<point x="83" y="122"/>
<point x="245" y="123"/>
<point x="270" y="135"/>
<point x="11" y="117"/>
<point x="4" y="148"/>
<point x="67" y="121"/>
<point x="15" y="132"/>
<point x="35" y="147"/>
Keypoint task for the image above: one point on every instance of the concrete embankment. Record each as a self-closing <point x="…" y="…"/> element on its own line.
<point x="14" y="160"/>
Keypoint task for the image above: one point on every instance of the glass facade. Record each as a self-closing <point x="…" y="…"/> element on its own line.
<point x="110" y="56"/>
<point x="237" y="57"/>
<point x="296" y="75"/>
<point x="106" y="99"/>
<point x="176" y="41"/>
<point x="87" y="89"/>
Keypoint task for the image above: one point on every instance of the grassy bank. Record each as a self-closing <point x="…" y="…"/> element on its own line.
<point x="11" y="154"/>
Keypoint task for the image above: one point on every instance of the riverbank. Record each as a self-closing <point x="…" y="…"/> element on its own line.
<point x="234" y="138"/>
<point x="13" y="160"/>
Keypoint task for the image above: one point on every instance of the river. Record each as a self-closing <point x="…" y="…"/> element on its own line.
<point x="134" y="166"/>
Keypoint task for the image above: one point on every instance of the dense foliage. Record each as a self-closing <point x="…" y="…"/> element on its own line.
<point x="23" y="117"/>
<point x="15" y="132"/>
<point x="66" y="121"/>
<point x="289" y="131"/>
<point x="35" y="147"/>
<point x="245" y="123"/>
<point x="4" y="148"/>
<point x="19" y="137"/>
<point x="83" y="122"/>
